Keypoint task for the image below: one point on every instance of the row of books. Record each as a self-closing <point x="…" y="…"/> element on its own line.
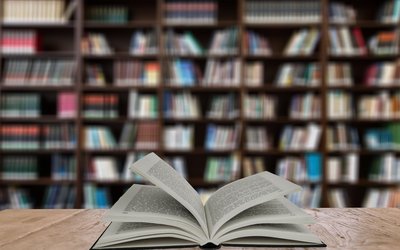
<point x="117" y="14"/>
<point x="300" y="169"/>
<point x="374" y="197"/>
<point x="258" y="139"/>
<point x="305" y="106"/>
<point x="95" y="44"/>
<point x="178" y="137"/>
<point x="223" y="107"/>
<point x="300" y="137"/>
<point x="385" y="168"/>
<point x="343" y="168"/>
<point x="308" y="197"/>
<point x="221" y="137"/>
<point x="142" y="105"/>
<point x="191" y="12"/>
<point x="302" y="42"/>
<point x="342" y="137"/>
<point x="100" y="105"/>
<point x="18" y="137"/>
<point x="20" y="105"/>
<point x="182" y="43"/>
<point x="259" y="106"/>
<point x="222" y="169"/>
<point x="96" y="197"/>
<point x="19" y="42"/>
<point x="39" y="72"/>
<point x="385" y="137"/>
<point x="286" y="11"/>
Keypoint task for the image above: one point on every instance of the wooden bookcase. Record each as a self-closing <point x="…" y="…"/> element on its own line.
<point x="64" y="41"/>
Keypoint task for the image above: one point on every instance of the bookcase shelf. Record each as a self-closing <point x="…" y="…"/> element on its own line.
<point x="64" y="40"/>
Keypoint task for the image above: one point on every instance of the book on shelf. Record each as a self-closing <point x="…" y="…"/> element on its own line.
<point x="63" y="167"/>
<point x="340" y="12"/>
<point x="222" y="168"/>
<point x="385" y="168"/>
<point x="66" y="105"/>
<point x="286" y="11"/>
<point x="338" y="197"/>
<point x="382" y="105"/>
<point x="308" y="197"/>
<point x="178" y="137"/>
<point x="128" y="135"/>
<point x="188" y="223"/>
<point x="302" y="42"/>
<point x="59" y="136"/>
<point x="256" y="44"/>
<point x="305" y="106"/>
<point x="100" y="106"/>
<point x="108" y="14"/>
<point x="190" y="12"/>
<point x="95" y="44"/>
<point x="39" y="72"/>
<point x="346" y="42"/>
<point x="258" y="138"/>
<point x="254" y="73"/>
<point x="102" y="168"/>
<point x="383" y="74"/>
<point x="301" y="169"/>
<point x="386" y="137"/>
<point x="95" y="75"/>
<point x="20" y="105"/>
<point x="20" y="137"/>
<point x="16" y="198"/>
<point x="59" y="196"/>
<point x="343" y="168"/>
<point x="339" y="105"/>
<point x="148" y="136"/>
<point x="181" y="105"/>
<point x="376" y="197"/>
<point x="20" y="42"/>
<point x="182" y="72"/>
<point x="37" y="12"/>
<point x="96" y="197"/>
<point x="19" y="168"/>
<point x="222" y="72"/>
<point x="136" y="73"/>
<point x="298" y="74"/>
<point x="182" y="43"/>
<point x="99" y="137"/>
<point x="253" y="165"/>
<point x="223" y="107"/>
<point x="143" y="43"/>
<point x="224" y="42"/>
<point x="179" y="164"/>
<point x="342" y="137"/>
<point x="222" y="137"/>
<point x="384" y="43"/>
<point x="300" y="137"/>
<point x="142" y="105"/>
<point x="339" y="74"/>
<point x="389" y="12"/>
<point x="259" y="106"/>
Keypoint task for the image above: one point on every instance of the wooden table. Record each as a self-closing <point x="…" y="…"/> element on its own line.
<point x="350" y="228"/>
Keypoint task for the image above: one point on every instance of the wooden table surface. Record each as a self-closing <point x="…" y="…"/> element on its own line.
<point x="349" y="228"/>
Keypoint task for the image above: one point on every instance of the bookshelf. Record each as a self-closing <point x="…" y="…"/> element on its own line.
<point x="63" y="41"/>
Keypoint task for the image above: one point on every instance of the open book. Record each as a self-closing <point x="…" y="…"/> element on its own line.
<point x="251" y="211"/>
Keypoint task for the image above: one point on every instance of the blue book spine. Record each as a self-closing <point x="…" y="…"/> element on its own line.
<point x="313" y="162"/>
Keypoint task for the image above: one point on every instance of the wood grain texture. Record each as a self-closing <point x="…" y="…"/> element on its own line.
<point x="349" y="228"/>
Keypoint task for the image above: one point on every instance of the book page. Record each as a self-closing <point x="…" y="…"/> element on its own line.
<point x="158" y="172"/>
<point x="242" y="194"/>
<point x="279" y="210"/>
<point x="136" y="206"/>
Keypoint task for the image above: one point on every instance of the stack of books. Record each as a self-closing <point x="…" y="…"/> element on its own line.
<point x="19" y="168"/>
<point x="178" y="137"/>
<point x="143" y="43"/>
<point x="384" y="43"/>
<point x="59" y="136"/>
<point x="300" y="138"/>
<point x="39" y="72"/>
<point x="258" y="139"/>
<point x="282" y="11"/>
<point x="142" y="105"/>
<point x="222" y="137"/>
<point x="253" y="165"/>
<point x="340" y="105"/>
<point x="19" y="42"/>
<point x="254" y="73"/>
<point x="344" y="42"/>
<point x="63" y="167"/>
<point x="222" y="73"/>
<point x="115" y="14"/>
<point x="182" y="44"/>
<point x="302" y="43"/>
<point x="256" y="44"/>
<point x="306" y="106"/>
<point x="224" y="42"/>
<point x="298" y="74"/>
<point x="59" y="196"/>
<point x="95" y="44"/>
<point x="301" y="169"/>
<point x="99" y="137"/>
<point x="182" y="72"/>
<point x="342" y="137"/>
<point x="343" y="168"/>
<point x="259" y="106"/>
<point x="100" y="106"/>
<point x="222" y="169"/>
<point x="380" y="106"/>
<point x="20" y="137"/>
<point x="223" y="107"/>
<point x="339" y="74"/>
<point x="20" y="105"/>
<point x="191" y="12"/>
<point x="383" y="74"/>
<point x="136" y="73"/>
<point x="95" y="75"/>
<point x="181" y="105"/>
